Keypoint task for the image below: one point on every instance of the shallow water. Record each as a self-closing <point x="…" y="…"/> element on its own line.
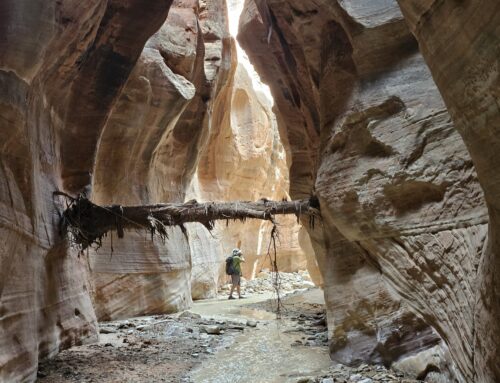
<point x="236" y="309"/>
<point x="262" y="355"/>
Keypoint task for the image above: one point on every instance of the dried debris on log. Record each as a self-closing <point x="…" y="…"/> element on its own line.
<point x="88" y="223"/>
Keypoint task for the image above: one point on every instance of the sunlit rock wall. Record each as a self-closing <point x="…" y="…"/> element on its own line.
<point x="405" y="221"/>
<point x="113" y="100"/>
<point x="62" y="65"/>
<point x="244" y="159"/>
<point x="188" y="112"/>
<point x="147" y="154"/>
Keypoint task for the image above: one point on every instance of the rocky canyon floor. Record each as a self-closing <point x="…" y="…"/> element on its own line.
<point x="216" y="341"/>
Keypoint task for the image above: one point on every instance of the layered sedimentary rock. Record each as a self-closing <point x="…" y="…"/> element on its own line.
<point x="245" y="160"/>
<point x="187" y="109"/>
<point x="461" y="44"/>
<point x="147" y="153"/>
<point x="404" y="218"/>
<point x="91" y="101"/>
<point x="61" y="66"/>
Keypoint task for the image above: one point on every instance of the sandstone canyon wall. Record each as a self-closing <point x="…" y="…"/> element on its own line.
<point x="186" y="125"/>
<point x="148" y="151"/>
<point x="404" y="219"/>
<point x="62" y="65"/>
<point x="129" y="110"/>
<point x="245" y="160"/>
<point x="461" y="44"/>
<point x="114" y="99"/>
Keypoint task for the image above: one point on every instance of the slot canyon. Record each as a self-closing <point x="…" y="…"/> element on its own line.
<point x="385" y="113"/>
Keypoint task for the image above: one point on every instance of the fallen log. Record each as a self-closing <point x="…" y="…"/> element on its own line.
<point x="88" y="223"/>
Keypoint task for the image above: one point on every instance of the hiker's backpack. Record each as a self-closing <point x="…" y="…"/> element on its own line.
<point x="229" y="266"/>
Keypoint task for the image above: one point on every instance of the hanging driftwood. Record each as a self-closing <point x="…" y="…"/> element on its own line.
<point x="88" y="223"/>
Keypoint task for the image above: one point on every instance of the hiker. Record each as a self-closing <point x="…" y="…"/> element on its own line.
<point x="233" y="268"/>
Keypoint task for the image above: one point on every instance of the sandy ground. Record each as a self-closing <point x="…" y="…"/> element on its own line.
<point x="217" y="341"/>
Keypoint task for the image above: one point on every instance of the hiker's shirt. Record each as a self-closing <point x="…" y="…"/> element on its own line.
<point x="237" y="264"/>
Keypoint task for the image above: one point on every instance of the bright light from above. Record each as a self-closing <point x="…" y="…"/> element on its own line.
<point x="235" y="7"/>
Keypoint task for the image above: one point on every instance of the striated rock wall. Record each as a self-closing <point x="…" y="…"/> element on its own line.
<point x="147" y="154"/>
<point x="61" y="66"/>
<point x="186" y="125"/>
<point x="109" y="99"/>
<point x="245" y="160"/>
<point x="405" y="222"/>
<point x="460" y="42"/>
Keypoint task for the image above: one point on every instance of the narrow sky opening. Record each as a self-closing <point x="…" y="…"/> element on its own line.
<point x="235" y="7"/>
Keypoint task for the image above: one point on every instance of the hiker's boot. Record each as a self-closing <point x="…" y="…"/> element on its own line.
<point x="231" y="297"/>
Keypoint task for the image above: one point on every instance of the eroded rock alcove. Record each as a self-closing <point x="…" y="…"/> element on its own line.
<point x="385" y="110"/>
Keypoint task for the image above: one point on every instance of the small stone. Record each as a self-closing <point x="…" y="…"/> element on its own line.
<point x="41" y="374"/>
<point x="190" y="315"/>
<point x="236" y="327"/>
<point x="212" y="330"/>
<point x="251" y="323"/>
<point x="320" y="322"/>
<point x="107" y="330"/>
<point x="327" y="380"/>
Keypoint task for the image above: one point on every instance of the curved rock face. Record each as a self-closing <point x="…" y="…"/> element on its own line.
<point x="61" y="66"/>
<point x="105" y="97"/>
<point x="463" y="55"/>
<point x="405" y="222"/>
<point x="147" y="153"/>
<point x="245" y="160"/>
<point x="188" y="109"/>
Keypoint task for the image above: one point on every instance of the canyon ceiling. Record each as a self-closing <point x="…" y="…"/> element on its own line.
<point x="388" y="111"/>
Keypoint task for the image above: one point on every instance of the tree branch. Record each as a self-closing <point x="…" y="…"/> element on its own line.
<point x="88" y="222"/>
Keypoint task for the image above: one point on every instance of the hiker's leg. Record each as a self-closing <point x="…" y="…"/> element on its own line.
<point x="234" y="283"/>
<point x="238" y="289"/>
